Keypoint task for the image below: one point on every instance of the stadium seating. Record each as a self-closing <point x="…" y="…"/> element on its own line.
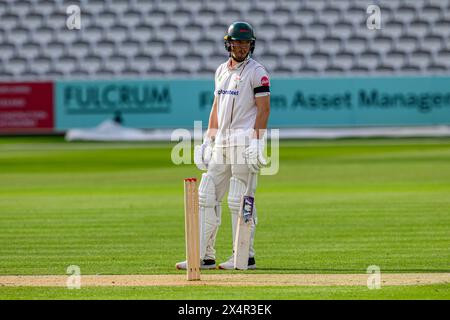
<point x="145" y="38"/>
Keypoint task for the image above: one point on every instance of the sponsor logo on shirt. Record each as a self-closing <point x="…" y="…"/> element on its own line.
<point x="265" y="81"/>
<point x="232" y="92"/>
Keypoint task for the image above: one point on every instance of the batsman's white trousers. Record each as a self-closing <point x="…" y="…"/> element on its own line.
<point x="227" y="162"/>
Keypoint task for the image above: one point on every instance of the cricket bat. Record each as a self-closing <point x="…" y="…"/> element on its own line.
<point x="244" y="225"/>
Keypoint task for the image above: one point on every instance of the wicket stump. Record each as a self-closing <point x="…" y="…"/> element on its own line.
<point x="192" y="229"/>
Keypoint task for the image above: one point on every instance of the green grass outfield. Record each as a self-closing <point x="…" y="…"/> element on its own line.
<point x="117" y="208"/>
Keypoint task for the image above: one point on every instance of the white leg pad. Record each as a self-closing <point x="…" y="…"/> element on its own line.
<point x="210" y="216"/>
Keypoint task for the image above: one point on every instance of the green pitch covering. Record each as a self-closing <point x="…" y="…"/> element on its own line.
<point x="117" y="208"/>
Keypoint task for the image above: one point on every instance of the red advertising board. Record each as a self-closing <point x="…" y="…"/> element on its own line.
<point x="26" y="107"/>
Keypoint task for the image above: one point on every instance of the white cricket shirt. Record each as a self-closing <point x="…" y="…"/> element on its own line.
<point x="235" y="91"/>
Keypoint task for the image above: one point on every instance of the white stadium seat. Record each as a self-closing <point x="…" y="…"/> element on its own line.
<point x="185" y="37"/>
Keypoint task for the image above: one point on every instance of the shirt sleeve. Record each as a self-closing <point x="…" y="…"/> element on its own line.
<point x="261" y="82"/>
<point x="216" y="76"/>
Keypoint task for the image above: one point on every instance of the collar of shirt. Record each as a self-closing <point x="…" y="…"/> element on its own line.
<point x="237" y="66"/>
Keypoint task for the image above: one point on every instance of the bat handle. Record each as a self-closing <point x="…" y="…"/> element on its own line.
<point x="251" y="184"/>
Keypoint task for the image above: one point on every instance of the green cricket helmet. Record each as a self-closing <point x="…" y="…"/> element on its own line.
<point x="240" y="31"/>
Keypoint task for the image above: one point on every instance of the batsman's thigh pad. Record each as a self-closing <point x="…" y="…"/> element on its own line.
<point x="237" y="189"/>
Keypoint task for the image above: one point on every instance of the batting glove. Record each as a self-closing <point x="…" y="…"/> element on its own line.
<point x="203" y="153"/>
<point x="254" y="155"/>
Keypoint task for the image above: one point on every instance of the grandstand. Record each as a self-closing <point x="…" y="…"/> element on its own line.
<point x="184" y="38"/>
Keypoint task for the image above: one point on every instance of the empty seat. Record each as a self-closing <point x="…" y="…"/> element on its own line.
<point x="180" y="47"/>
<point x="80" y="73"/>
<point x="282" y="45"/>
<point x="7" y="50"/>
<point x="356" y="44"/>
<point x="181" y="16"/>
<point x="330" y="15"/>
<point x="204" y="46"/>
<point x="92" y="6"/>
<point x="54" y="49"/>
<point x="267" y="5"/>
<point x="410" y="69"/>
<point x="432" y="43"/>
<point x="304" y="16"/>
<point x="131" y="72"/>
<point x="342" y="30"/>
<point x="206" y="72"/>
<point x="9" y="21"/>
<point x="167" y="31"/>
<point x="305" y="45"/>
<point x="292" y="30"/>
<point x="229" y="15"/>
<point x="142" y="32"/>
<point x="443" y="57"/>
<point x="170" y="5"/>
<point x="317" y="30"/>
<point x="56" y="19"/>
<point x="269" y="61"/>
<point x="34" y="20"/>
<point x="155" y="47"/>
<point x="205" y="16"/>
<point x="435" y="68"/>
<point x="104" y="73"/>
<point x="280" y="15"/>
<point x="78" y="48"/>
<point x="92" y="34"/>
<point x="131" y="18"/>
<point x="106" y="19"/>
<point x="41" y="64"/>
<point x="359" y="70"/>
<point x="442" y="27"/>
<point x="155" y="71"/>
<point x="19" y="35"/>
<point x="267" y="31"/>
<point x="16" y="65"/>
<point x="119" y="6"/>
<point x="318" y="60"/>
<point x="154" y="17"/>
<point x="381" y="44"/>
<point x="192" y="62"/>
<point x="46" y="7"/>
<point x="255" y="18"/>
<point x="141" y="62"/>
<point x="215" y="60"/>
<point x="392" y="29"/>
<point x="104" y="48"/>
<point x="116" y="62"/>
<point x="406" y="43"/>
<point x="420" y="58"/>
<point x="405" y="13"/>
<point x="343" y="60"/>
<point x="92" y="63"/>
<point x="369" y="59"/>
<point x="30" y="50"/>
<point x="418" y="28"/>
<point x="167" y="62"/>
<point x="294" y="60"/>
<point x="430" y="13"/>
<point x="144" y="5"/>
<point x="196" y="5"/>
<point x="117" y="33"/>
<point x="128" y="48"/>
<point x="66" y="63"/>
<point x="65" y="35"/>
<point x="394" y="58"/>
<point x="331" y="45"/>
<point x="192" y="31"/>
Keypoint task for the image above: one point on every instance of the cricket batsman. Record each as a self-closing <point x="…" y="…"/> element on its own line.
<point x="233" y="145"/>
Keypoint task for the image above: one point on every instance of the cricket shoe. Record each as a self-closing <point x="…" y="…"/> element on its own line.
<point x="206" y="264"/>
<point x="229" y="264"/>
